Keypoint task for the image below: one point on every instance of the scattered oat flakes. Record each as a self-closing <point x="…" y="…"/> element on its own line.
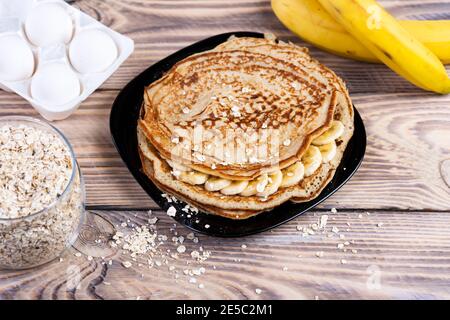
<point x="152" y="220"/>
<point x="323" y="221"/>
<point x="171" y="212"/>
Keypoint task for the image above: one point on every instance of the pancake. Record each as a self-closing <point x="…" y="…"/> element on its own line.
<point x="271" y="89"/>
<point x="222" y="91"/>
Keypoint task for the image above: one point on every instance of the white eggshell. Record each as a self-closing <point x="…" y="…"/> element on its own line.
<point x="55" y="84"/>
<point x="47" y="24"/>
<point x="16" y="58"/>
<point x="92" y="50"/>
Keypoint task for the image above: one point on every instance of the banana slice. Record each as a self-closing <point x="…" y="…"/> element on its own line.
<point x="312" y="159"/>
<point x="193" y="177"/>
<point x="216" y="184"/>
<point x="256" y="185"/>
<point x="275" y="179"/>
<point x="334" y="132"/>
<point x="328" y="151"/>
<point x="235" y="187"/>
<point x="292" y="175"/>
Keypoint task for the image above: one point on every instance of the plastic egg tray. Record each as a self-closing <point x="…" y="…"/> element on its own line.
<point x="54" y="55"/>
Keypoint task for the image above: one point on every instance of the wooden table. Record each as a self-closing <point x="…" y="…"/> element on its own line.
<point x="395" y="211"/>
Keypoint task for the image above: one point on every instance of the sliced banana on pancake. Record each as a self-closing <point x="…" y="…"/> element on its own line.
<point x="216" y="184"/>
<point x="328" y="151"/>
<point x="292" y="175"/>
<point x="273" y="184"/>
<point x="312" y="159"/>
<point x="193" y="177"/>
<point x="334" y="132"/>
<point x="235" y="187"/>
<point x="256" y="185"/>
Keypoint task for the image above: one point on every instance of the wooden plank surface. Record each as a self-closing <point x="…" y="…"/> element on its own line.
<point x="397" y="260"/>
<point x="404" y="183"/>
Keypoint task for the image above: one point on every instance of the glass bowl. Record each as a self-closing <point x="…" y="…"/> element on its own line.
<point x="39" y="237"/>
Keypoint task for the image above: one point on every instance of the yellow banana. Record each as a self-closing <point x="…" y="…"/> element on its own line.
<point x="434" y="34"/>
<point x="379" y="32"/>
<point x="310" y="21"/>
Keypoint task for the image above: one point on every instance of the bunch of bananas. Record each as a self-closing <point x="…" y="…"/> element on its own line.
<point x="363" y="30"/>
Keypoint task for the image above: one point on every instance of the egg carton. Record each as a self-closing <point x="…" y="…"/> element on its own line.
<point x="54" y="55"/>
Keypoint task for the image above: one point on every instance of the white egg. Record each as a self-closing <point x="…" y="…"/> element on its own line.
<point x="55" y="84"/>
<point x="16" y="58"/>
<point x="92" y="50"/>
<point x="47" y="24"/>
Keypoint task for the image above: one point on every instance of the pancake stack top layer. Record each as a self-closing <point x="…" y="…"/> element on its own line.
<point x="242" y="115"/>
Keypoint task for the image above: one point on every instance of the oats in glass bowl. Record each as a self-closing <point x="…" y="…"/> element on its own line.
<point x="41" y="193"/>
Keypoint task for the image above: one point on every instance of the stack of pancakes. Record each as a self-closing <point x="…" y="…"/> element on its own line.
<point x="244" y="127"/>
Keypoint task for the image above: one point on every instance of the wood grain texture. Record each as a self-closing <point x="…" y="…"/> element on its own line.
<point x="404" y="182"/>
<point x="406" y="261"/>
<point x="408" y="139"/>
<point x="162" y="27"/>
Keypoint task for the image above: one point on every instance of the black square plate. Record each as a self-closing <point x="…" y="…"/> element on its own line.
<point x="123" y="121"/>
